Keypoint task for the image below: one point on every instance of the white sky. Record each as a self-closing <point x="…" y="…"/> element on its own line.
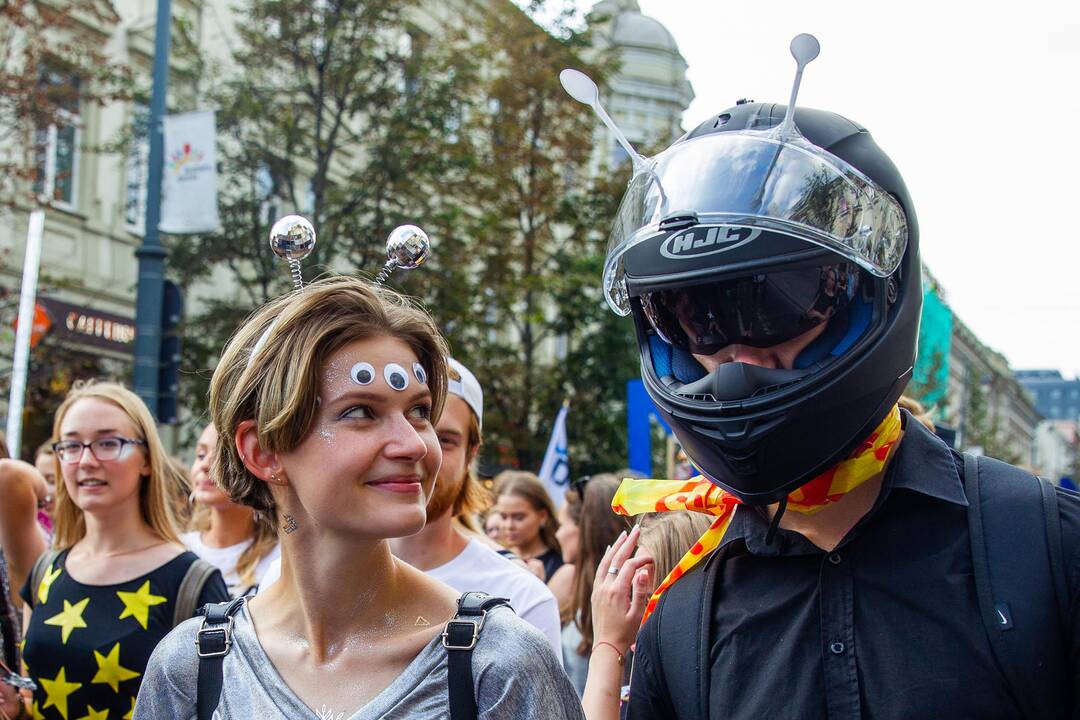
<point x="977" y="104"/>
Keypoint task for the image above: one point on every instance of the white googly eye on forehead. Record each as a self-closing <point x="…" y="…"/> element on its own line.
<point x="395" y="376"/>
<point x="362" y="373"/>
<point x="420" y="373"/>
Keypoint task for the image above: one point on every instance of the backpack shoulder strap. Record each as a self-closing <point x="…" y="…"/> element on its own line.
<point x="686" y="666"/>
<point x="1012" y="551"/>
<point x="37" y="573"/>
<point x="191" y="587"/>
<point x="213" y="642"/>
<point x="459" y="638"/>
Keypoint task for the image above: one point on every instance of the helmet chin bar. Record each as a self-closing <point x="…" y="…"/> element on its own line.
<point x="735" y="381"/>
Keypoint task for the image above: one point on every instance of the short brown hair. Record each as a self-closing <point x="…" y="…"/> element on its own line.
<point x="278" y="386"/>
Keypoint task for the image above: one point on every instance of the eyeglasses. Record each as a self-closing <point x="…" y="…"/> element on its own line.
<point x="103" y="449"/>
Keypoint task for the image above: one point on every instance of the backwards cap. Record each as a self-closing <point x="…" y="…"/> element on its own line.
<point x="468" y="389"/>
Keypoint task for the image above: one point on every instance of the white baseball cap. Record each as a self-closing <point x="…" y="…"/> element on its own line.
<point x="468" y="389"/>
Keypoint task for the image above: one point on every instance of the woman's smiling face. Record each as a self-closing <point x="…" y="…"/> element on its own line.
<point x="369" y="462"/>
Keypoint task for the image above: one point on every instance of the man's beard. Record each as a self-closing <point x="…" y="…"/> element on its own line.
<point x="445" y="495"/>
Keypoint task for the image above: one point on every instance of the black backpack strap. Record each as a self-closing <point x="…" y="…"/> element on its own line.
<point x="459" y="638"/>
<point x="37" y="573"/>
<point x="191" y="588"/>
<point x="1017" y="579"/>
<point x="686" y="666"/>
<point x="213" y="642"/>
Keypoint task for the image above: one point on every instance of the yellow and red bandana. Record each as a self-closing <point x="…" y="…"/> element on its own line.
<point x="700" y="495"/>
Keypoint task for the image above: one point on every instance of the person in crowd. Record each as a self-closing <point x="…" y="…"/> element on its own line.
<point x="666" y="537"/>
<point x="23" y="534"/>
<point x="45" y="463"/>
<point x="446" y="553"/>
<point x="237" y="540"/>
<point x="326" y="401"/>
<point x="97" y="605"/>
<point x="493" y="525"/>
<point x="587" y="527"/>
<point x="529" y="524"/>
<point x="890" y="566"/>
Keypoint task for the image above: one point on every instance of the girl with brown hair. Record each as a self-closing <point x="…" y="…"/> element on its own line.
<point x="237" y="540"/>
<point x="590" y="527"/>
<point x="528" y="520"/>
<point x="326" y="401"/>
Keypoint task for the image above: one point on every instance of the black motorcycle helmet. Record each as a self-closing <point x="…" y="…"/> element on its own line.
<point x="742" y="234"/>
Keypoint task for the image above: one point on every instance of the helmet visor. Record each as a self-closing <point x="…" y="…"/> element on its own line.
<point x="761" y="310"/>
<point x="757" y="179"/>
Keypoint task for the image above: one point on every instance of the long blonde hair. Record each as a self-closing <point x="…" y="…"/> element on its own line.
<point x="154" y="496"/>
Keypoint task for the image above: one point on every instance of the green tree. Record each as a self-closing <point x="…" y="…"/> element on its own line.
<point x="339" y="110"/>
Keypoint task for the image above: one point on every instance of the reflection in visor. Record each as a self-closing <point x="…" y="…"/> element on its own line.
<point x="760" y="310"/>
<point x="752" y="179"/>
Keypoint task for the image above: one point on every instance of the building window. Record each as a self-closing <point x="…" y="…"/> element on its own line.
<point x="56" y="146"/>
<point x="1055" y="394"/>
<point x="138" y="161"/>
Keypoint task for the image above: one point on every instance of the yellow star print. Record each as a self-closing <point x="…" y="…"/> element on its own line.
<point x="70" y="619"/>
<point x="92" y="714"/>
<point x="128" y="714"/>
<point x="35" y="714"/>
<point x="137" y="604"/>
<point x="110" y="671"/>
<point x="57" y="691"/>
<point x="46" y="583"/>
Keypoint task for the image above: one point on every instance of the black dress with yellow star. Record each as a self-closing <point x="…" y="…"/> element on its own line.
<point x="87" y="645"/>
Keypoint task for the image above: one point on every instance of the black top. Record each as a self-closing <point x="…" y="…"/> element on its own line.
<point x="887" y="626"/>
<point x="87" y="645"/>
<point x="552" y="561"/>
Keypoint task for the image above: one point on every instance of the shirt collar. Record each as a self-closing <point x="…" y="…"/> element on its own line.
<point x="923" y="463"/>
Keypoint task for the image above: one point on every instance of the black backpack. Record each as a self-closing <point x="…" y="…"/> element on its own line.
<point x="1020" y="580"/>
<point x="214" y="640"/>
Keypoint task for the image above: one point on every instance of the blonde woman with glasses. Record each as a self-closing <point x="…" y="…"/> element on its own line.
<point x="117" y="579"/>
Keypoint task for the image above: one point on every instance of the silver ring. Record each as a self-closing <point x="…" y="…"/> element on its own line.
<point x="613" y="570"/>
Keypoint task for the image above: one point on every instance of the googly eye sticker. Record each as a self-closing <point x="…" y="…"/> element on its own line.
<point x="362" y="373"/>
<point x="396" y="377"/>
<point x="420" y="373"/>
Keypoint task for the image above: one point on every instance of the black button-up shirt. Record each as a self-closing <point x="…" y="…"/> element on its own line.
<point x="887" y="625"/>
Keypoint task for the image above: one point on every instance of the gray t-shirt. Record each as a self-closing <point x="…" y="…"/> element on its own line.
<point x="515" y="675"/>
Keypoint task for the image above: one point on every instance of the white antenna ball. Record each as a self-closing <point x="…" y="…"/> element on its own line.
<point x="579" y="86"/>
<point x="804" y="48"/>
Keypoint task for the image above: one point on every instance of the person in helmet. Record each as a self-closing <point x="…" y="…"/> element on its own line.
<point x="770" y="263"/>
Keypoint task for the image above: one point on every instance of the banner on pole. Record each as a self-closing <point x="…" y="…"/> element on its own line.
<point x="555" y="470"/>
<point x="189" y="175"/>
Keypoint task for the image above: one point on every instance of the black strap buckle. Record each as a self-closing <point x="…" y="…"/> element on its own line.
<point x="214" y="640"/>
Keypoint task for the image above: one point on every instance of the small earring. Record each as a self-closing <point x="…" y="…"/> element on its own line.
<point x="290" y="525"/>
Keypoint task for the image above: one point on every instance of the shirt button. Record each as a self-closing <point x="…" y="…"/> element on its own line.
<point x="834" y="558"/>
<point x="837" y="648"/>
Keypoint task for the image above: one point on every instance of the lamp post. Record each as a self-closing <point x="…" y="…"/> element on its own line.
<point x="151" y="255"/>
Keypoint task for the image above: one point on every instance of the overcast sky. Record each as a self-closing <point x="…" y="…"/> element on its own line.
<point x="979" y="106"/>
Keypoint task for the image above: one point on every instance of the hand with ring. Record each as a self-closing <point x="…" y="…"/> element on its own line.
<point x="620" y="593"/>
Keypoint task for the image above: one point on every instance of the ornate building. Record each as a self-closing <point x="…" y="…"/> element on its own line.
<point x="649" y="93"/>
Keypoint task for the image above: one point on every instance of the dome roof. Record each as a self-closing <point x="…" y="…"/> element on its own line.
<point x="631" y="28"/>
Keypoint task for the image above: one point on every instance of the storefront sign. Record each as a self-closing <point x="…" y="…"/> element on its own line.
<point x="87" y="326"/>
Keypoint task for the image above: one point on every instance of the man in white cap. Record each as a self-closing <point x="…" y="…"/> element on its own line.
<point x="447" y="553"/>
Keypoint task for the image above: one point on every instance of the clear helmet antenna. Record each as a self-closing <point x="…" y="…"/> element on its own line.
<point x="581" y="87"/>
<point x="804" y="48"/>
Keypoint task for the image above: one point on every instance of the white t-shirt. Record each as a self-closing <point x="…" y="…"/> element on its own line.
<point x="478" y="567"/>
<point x="225" y="559"/>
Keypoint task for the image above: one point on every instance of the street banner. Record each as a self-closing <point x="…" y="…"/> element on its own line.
<point x="555" y="470"/>
<point x="189" y="176"/>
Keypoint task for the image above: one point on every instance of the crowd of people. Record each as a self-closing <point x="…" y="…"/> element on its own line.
<point x="331" y="552"/>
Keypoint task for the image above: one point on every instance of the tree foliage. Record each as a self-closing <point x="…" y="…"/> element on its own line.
<point x="329" y="113"/>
